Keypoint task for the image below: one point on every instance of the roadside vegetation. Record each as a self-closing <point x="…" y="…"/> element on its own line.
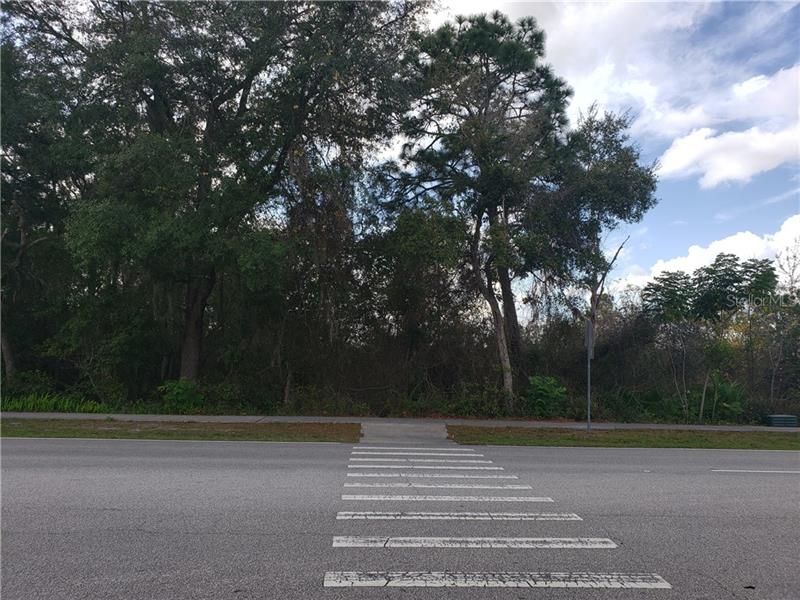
<point x="202" y="214"/>
<point x="51" y="402"/>
<point x="266" y="432"/>
<point x="625" y="438"/>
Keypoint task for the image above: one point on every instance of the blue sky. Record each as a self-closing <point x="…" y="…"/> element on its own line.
<point x="714" y="90"/>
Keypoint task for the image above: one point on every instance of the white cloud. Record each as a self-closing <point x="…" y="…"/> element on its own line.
<point x="678" y="77"/>
<point x="729" y="156"/>
<point x="754" y="84"/>
<point x="679" y="72"/>
<point x="744" y="244"/>
<point x="771" y="101"/>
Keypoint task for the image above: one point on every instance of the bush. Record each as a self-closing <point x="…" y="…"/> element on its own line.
<point x="27" y="383"/>
<point x="181" y="397"/>
<point x="228" y="398"/>
<point x="624" y="406"/>
<point x="731" y="401"/>
<point x="545" y="397"/>
<point x="478" y="401"/>
<point x="313" y="400"/>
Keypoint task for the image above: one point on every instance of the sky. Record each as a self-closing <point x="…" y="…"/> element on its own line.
<point x="713" y="90"/>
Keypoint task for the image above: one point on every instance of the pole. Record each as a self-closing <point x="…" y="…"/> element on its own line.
<point x="589" y="356"/>
<point x="588" y="390"/>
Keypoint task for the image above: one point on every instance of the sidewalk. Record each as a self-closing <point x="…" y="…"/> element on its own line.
<point x="389" y="422"/>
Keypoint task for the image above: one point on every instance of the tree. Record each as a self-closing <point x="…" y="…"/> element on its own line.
<point x="669" y="298"/>
<point x="487" y="116"/>
<point x="601" y="185"/>
<point x="202" y="105"/>
<point x="43" y="169"/>
<point x="701" y="311"/>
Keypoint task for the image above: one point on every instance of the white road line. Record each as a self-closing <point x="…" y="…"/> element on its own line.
<point x="447" y="486"/>
<point x="455" y="516"/>
<point x="425" y="467"/>
<point x="433" y="475"/>
<point x="446" y="498"/>
<point x="753" y="471"/>
<point x="412" y="448"/>
<point x="514" y="579"/>
<point x="370" y="541"/>
<point x="422" y="460"/>
<point x="369" y="452"/>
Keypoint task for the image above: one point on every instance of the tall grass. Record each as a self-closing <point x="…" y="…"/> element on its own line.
<point x="50" y="402"/>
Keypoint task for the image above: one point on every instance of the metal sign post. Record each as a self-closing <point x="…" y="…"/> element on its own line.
<point x="589" y="357"/>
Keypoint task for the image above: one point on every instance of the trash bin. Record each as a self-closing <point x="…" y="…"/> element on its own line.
<point x="782" y="421"/>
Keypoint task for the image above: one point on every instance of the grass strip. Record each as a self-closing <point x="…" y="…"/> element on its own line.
<point x="625" y="438"/>
<point x="157" y="430"/>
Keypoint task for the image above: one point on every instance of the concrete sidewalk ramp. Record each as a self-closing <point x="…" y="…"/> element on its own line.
<point x="412" y="433"/>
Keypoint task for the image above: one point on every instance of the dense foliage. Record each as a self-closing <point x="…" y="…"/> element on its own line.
<point x="325" y="208"/>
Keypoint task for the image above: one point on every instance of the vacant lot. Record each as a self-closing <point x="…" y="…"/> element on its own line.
<point x="629" y="438"/>
<point x="272" y="432"/>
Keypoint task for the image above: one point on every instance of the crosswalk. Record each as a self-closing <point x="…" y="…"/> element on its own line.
<point x="381" y="475"/>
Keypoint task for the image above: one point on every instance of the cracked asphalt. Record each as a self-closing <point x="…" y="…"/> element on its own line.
<point x="112" y="519"/>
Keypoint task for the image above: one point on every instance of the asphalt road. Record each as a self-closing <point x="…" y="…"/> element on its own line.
<point x="159" y="519"/>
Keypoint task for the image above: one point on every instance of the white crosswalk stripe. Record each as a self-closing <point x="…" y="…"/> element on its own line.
<point x="446" y="486"/>
<point x="433" y="475"/>
<point x="442" y="467"/>
<point x="370" y="453"/>
<point x="372" y="541"/>
<point x="369" y="463"/>
<point x="380" y="497"/>
<point x="488" y="579"/>
<point x="421" y="460"/>
<point x="455" y="450"/>
<point x="456" y="516"/>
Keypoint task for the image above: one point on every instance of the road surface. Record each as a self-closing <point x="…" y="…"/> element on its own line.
<point x="114" y="519"/>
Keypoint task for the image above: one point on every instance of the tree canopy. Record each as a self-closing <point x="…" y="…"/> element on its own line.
<point x="327" y="207"/>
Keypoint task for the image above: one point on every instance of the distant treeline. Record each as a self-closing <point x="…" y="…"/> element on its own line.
<point x="327" y="208"/>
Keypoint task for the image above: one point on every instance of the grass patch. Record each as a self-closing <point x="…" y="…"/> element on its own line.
<point x="625" y="438"/>
<point x="153" y="430"/>
<point x="50" y="402"/>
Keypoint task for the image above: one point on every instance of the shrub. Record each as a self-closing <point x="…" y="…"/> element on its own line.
<point x="731" y="401"/>
<point x="26" y="383"/>
<point x="181" y="397"/>
<point x="478" y="401"/>
<point x="545" y="397"/>
<point x="624" y="406"/>
<point x="313" y="400"/>
<point x="226" y="398"/>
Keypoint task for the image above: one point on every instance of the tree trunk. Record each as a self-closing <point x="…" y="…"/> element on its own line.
<point x="510" y="313"/>
<point x="775" y="363"/>
<point x="287" y="387"/>
<point x="510" y="321"/>
<point x="197" y="294"/>
<point x="486" y="289"/>
<point x="9" y="362"/>
<point x="714" y="404"/>
<point x="502" y="346"/>
<point x="683" y="380"/>
<point x="703" y="397"/>
<point x="674" y="371"/>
